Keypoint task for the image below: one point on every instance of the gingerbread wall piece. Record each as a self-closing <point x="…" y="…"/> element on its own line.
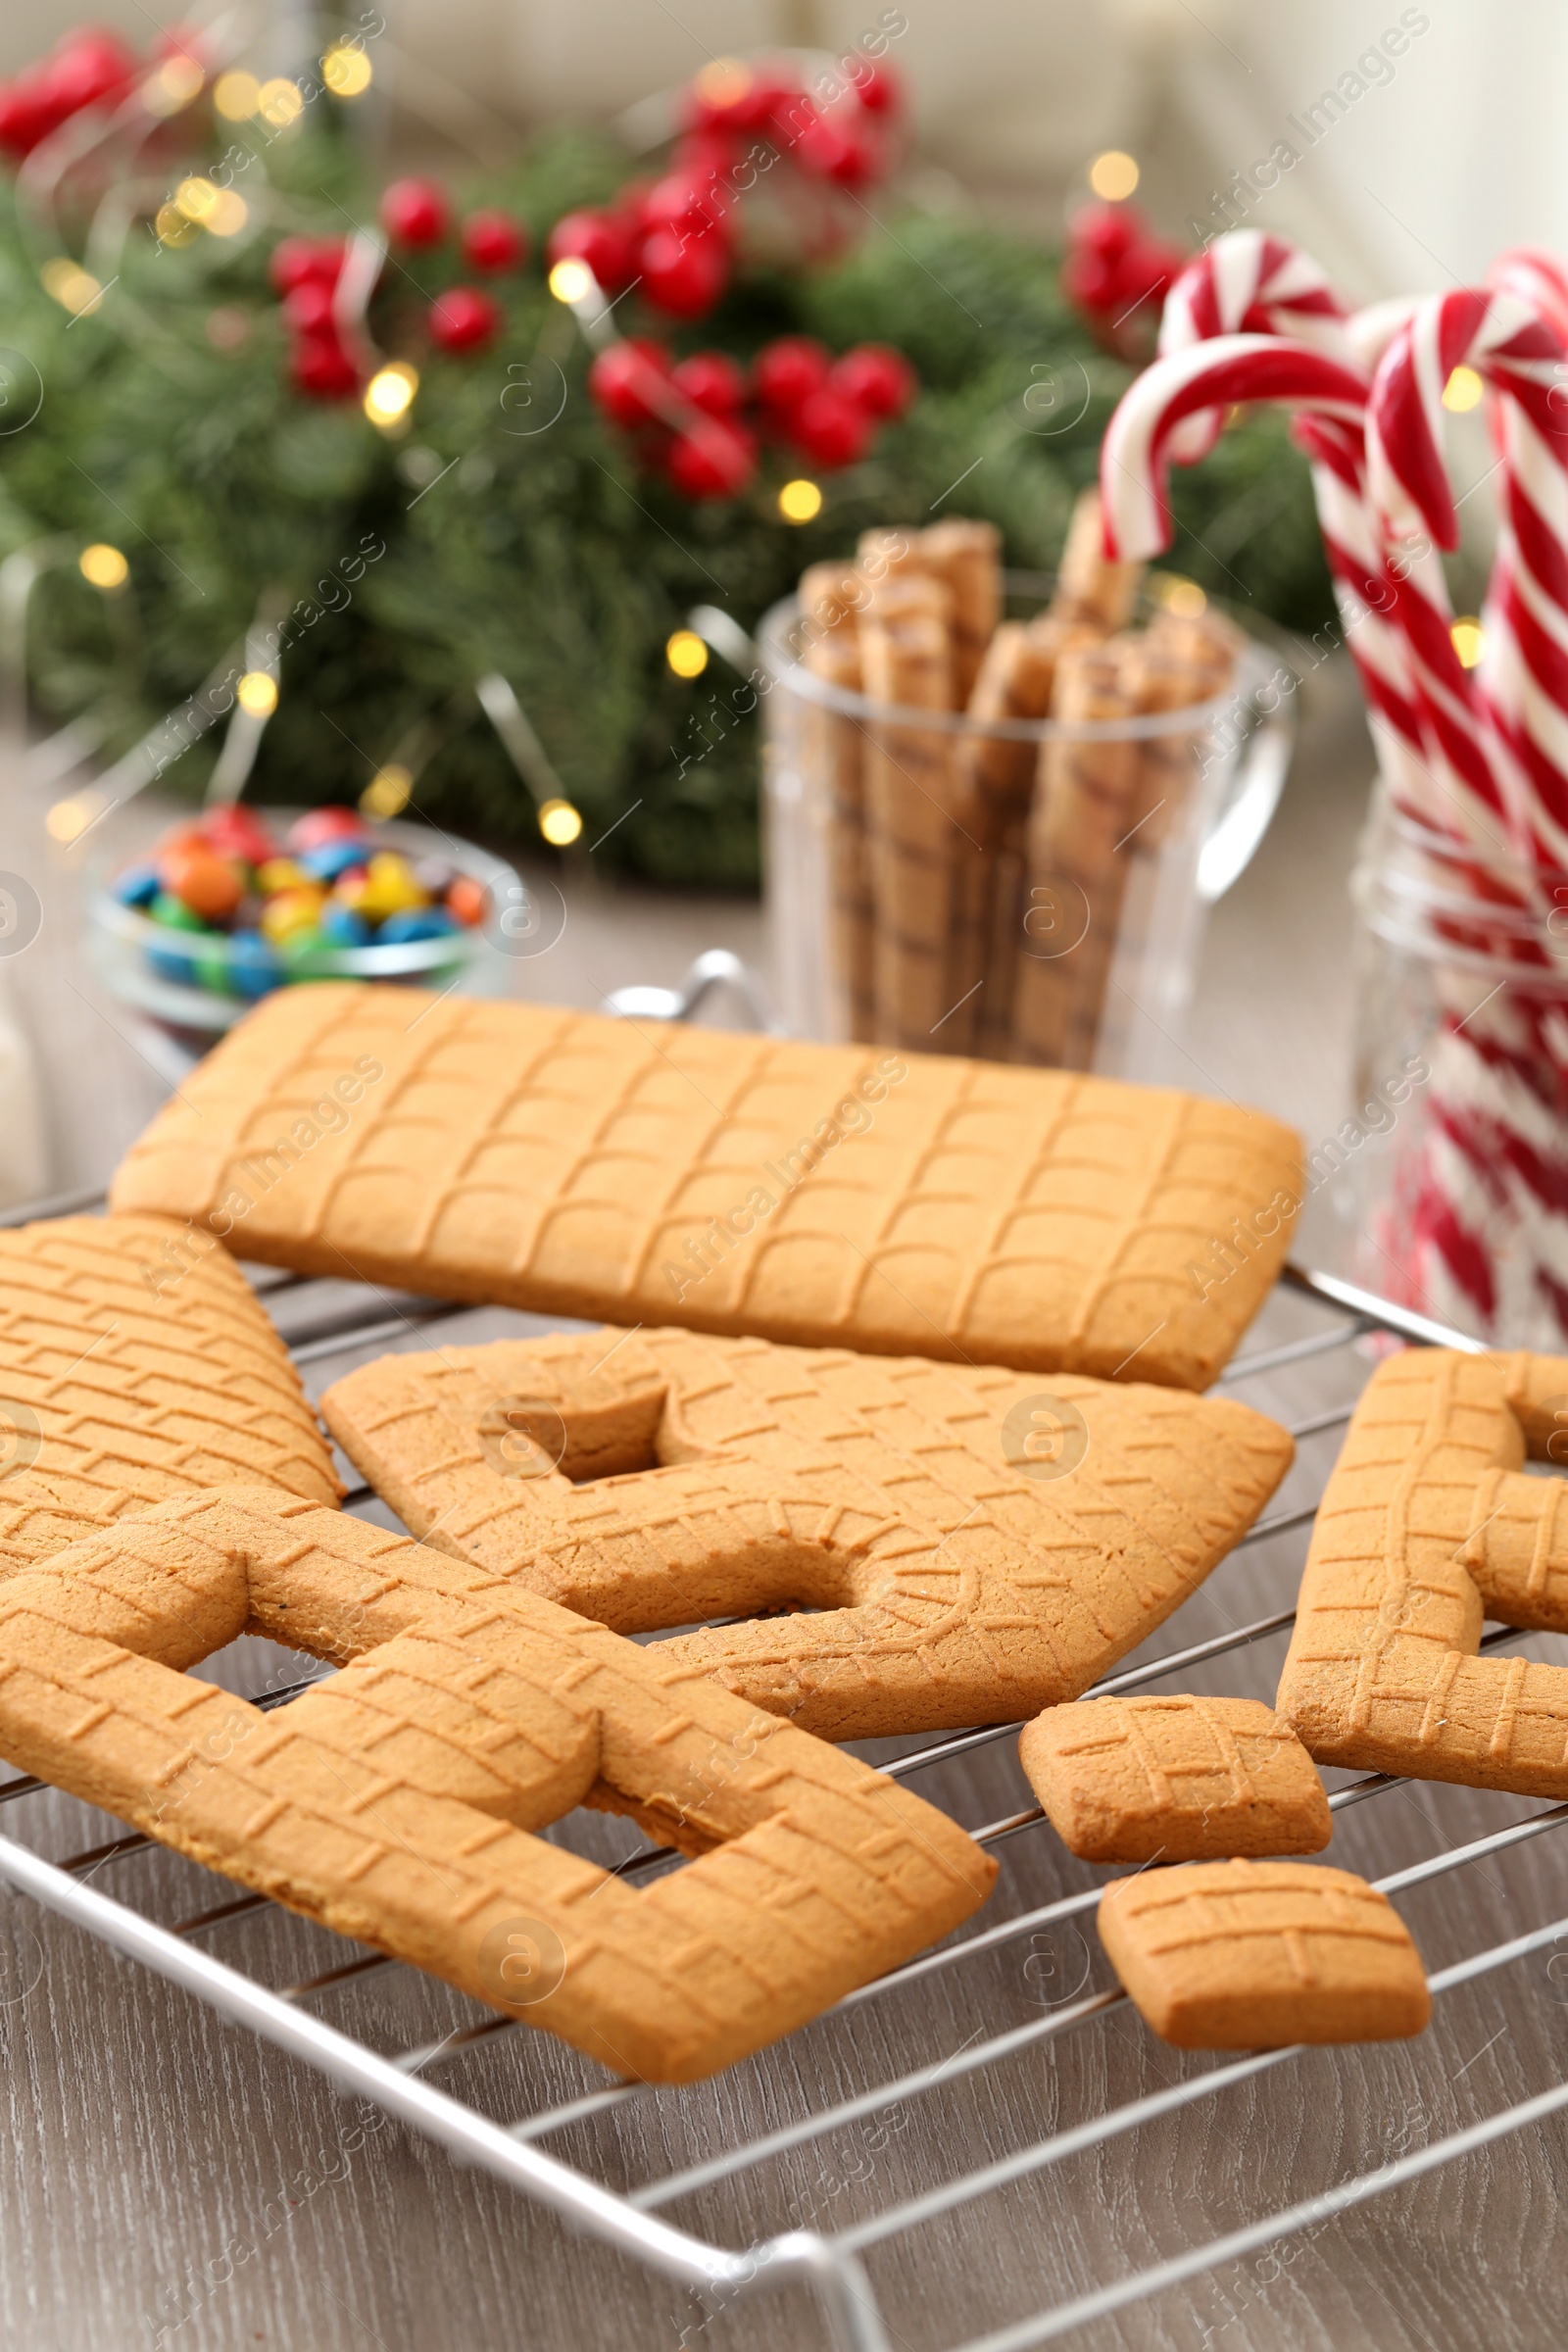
<point x="394" y="1802"/>
<point x="135" y="1364"/>
<point x="827" y="1196"/>
<point x="960" y="1544"/>
<point x="1175" y="1779"/>
<point x="1257" y="1955"/>
<point x="1428" y="1524"/>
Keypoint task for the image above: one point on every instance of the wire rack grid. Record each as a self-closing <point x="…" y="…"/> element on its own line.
<point x="849" y="2086"/>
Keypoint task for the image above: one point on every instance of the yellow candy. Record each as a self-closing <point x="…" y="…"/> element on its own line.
<point x="282" y="873"/>
<point x="293" y="911"/>
<point x="389" y="888"/>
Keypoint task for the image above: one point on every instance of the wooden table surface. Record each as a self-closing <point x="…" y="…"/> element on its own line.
<point x="166" y="2179"/>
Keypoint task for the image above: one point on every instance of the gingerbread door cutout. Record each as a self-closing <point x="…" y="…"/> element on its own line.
<point x="950" y="1544"/>
<point x="395" y="1801"/>
<point x="1427" y="1526"/>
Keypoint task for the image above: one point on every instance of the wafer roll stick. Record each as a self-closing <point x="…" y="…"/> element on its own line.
<point x="1015" y="682"/>
<point x="1072" y="894"/>
<point x="969" y="557"/>
<point x="912" y="800"/>
<point x="833" y="750"/>
<point x="1089" y="585"/>
<point x="1180" y="663"/>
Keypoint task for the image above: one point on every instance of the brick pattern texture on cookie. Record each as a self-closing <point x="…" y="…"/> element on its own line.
<point x="1257" y="1955"/>
<point x="827" y="1195"/>
<point x="949" y="1543"/>
<point x="135" y="1364"/>
<point x="396" y="1800"/>
<point x="1175" y="1779"/>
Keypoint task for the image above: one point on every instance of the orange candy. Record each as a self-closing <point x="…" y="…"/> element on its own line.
<point x="208" y="885"/>
<point x="467" y="902"/>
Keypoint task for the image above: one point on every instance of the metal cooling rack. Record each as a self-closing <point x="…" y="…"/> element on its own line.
<point x="421" y="2083"/>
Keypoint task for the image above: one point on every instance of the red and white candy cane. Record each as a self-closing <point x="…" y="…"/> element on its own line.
<point x="1485" y="744"/>
<point x="1248" y="284"/>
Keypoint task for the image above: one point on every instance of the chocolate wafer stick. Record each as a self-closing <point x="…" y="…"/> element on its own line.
<point x="913" y="799"/>
<point x="833" y="749"/>
<point x="969" y="557"/>
<point x="1089" y="586"/>
<point x="1072" y="898"/>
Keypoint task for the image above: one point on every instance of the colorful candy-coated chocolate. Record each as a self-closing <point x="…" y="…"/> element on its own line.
<point x="239" y="833"/>
<point x="255" y="967"/>
<point x="468" y="901"/>
<point x="175" y="914"/>
<point x="137" y="886"/>
<point x="341" y="927"/>
<point x="435" y="876"/>
<point x="293" y="911"/>
<point x="331" y="859"/>
<point x="177" y="965"/>
<point x="390" y="887"/>
<point x="212" y="886"/>
<point x="281" y="873"/>
<point x="402" y="930"/>
<point x="319" y="825"/>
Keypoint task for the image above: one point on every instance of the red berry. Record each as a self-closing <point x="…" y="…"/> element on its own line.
<point x="605" y="241"/>
<point x="688" y="203"/>
<point x="831" y="149"/>
<point x="627" y="381"/>
<point x="305" y="261"/>
<point x="494" y="240"/>
<point x="322" y="367"/>
<point x="789" y="371"/>
<point x="876" y="379"/>
<point x="1104" y="228"/>
<point x="877" y="89"/>
<point x="86" y="67"/>
<point x="714" y="460"/>
<point x="710" y="381"/>
<point x="309" y="309"/>
<point x="741" y="99"/>
<point x="416" y="212"/>
<point x="831" y="430"/>
<point x="684" y="277"/>
<point x="465" y="319"/>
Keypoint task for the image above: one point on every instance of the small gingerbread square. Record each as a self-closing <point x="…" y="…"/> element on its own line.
<point x="1257" y="1955"/>
<point x="1175" y="1780"/>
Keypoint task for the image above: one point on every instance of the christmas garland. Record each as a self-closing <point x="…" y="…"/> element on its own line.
<point x="199" y="435"/>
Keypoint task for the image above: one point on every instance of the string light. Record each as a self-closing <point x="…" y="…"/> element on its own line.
<point x="570" y="280"/>
<point x="389" y="394"/>
<point x="1463" y="391"/>
<point x="75" y="289"/>
<point x="800" y="501"/>
<point x="560" y="823"/>
<point x="686" y="654"/>
<point x="279" y="103"/>
<point x="1186" y="600"/>
<point x="103" y="566"/>
<point x="173" y="227"/>
<point x="346" y="70"/>
<point x="236" y="96"/>
<point x="1468" y="638"/>
<point x="1113" y="175"/>
<point x="178" y="81"/>
<point x="388" y="792"/>
<point x="227" y="214"/>
<point x="256" y="694"/>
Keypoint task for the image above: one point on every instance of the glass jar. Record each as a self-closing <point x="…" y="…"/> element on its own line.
<point x="1452" y="1171"/>
<point x="1078" y="953"/>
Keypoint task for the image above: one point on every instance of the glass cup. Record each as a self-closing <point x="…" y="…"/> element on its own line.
<point x="1071" y="944"/>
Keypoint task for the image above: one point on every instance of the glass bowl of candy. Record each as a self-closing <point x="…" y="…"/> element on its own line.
<point x="237" y="902"/>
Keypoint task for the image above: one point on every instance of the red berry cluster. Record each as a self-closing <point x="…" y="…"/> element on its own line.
<point x="1118" y="272"/>
<point x="415" y="215"/>
<point x="86" y="67"/>
<point x="700" y="420"/>
<point x="674" y="237"/>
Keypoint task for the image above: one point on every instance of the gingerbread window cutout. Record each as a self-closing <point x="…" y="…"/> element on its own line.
<point x="136" y="1364"/>
<point x="394" y="1802"/>
<point x="954" y="1543"/>
<point x="1428" y="1524"/>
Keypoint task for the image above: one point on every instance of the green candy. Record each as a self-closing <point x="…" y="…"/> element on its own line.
<point x="175" y="914"/>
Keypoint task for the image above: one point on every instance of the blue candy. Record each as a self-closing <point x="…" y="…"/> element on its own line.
<point x="255" y="967"/>
<point x="176" y="965"/>
<point x="334" y="857"/>
<point x="341" y="927"/>
<point x="137" y="886"/>
<point x="417" y="923"/>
